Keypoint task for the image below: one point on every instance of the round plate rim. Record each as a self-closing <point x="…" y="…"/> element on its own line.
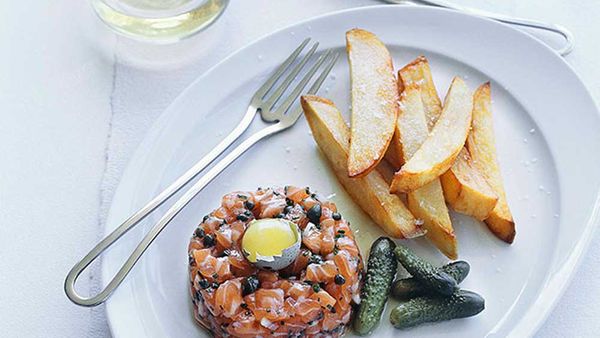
<point x="574" y="258"/>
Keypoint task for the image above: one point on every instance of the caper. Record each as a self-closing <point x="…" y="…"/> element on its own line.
<point x="316" y="287"/>
<point x="315" y="259"/>
<point x="314" y="214"/>
<point x="203" y="283"/>
<point x="249" y="205"/>
<point x="249" y="285"/>
<point x="208" y="241"/>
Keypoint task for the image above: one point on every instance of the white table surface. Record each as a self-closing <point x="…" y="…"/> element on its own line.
<point x="75" y="100"/>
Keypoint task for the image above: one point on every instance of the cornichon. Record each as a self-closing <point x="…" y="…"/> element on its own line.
<point x="429" y="309"/>
<point x="408" y="288"/>
<point x="432" y="278"/>
<point x="381" y="269"/>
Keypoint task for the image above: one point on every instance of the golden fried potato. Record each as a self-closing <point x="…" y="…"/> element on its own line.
<point x="416" y="73"/>
<point x="371" y="191"/>
<point x="374" y="101"/>
<point x="439" y="151"/>
<point x="466" y="190"/>
<point x="426" y="203"/>
<point x="482" y="147"/>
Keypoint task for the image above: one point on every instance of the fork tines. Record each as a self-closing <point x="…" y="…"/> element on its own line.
<point x="271" y="92"/>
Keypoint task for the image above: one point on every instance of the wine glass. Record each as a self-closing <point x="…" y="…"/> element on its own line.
<point x="161" y="21"/>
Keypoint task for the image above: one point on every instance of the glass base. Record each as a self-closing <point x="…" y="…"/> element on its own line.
<point x="166" y="29"/>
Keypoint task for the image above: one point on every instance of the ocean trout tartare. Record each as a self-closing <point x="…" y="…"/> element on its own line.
<point x="311" y="297"/>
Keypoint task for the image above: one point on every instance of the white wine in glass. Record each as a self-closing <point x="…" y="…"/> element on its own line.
<point x="162" y="21"/>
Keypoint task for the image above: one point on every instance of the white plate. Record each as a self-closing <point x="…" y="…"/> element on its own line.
<point x="547" y="132"/>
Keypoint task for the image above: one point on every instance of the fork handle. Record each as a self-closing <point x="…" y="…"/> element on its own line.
<point x="157" y="201"/>
<point x="549" y="27"/>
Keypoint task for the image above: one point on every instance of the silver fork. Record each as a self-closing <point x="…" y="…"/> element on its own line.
<point x="261" y="103"/>
<point x="549" y="27"/>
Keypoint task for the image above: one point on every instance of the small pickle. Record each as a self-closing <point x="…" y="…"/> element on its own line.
<point x="381" y="269"/>
<point x="407" y="288"/>
<point x="432" y="278"/>
<point x="429" y="309"/>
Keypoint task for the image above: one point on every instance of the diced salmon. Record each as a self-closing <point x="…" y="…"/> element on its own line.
<point x="297" y="194"/>
<point x="320" y="241"/>
<point x="327" y="236"/>
<point x="311" y="238"/>
<point x="343" y="227"/>
<point x="228" y="297"/>
<point x="269" y="304"/>
<point x="221" y="213"/>
<point x="250" y="301"/>
<point x="308" y="310"/>
<point x="285" y="285"/>
<point x="269" y="298"/>
<point x="248" y="330"/>
<point x="208" y="296"/>
<point x="245" y="326"/>
<point x="222" y="269"/>
<point x="235" y="200"/>
<point x="299" y="290"/>
<point x="345" y="266"/>
<point x="289" y="306"/>
<point x="309" y="202"/>
<point x="224" y="239"/>
<point x="347" y="244"/>
<point x="201" y="255"/>
<point x="324" y="299"/>
<point x="341" y="294"/>
<point x="267" y="278"/>
<point x="329" y="206"/>
<point x="205" y="262"/>
<point x="326" y="213"/>
<point x="332" y="320"/>
<point x="211" y="225"/>
<point x="313" y="331"/>
<point x="195" y="244"/>
<point x="290" y="329"/>
<point x="193" y="273"/>
<point x="213" y="269"/>
<point x="270" y="208"/>
<point x="237" y="232"/>
<point x="321" y="273"/>
<point x="228" y="201"/>
<point x="240" y="265"/>
<point x="302" y="222"/>
<point x="328" y="223"/>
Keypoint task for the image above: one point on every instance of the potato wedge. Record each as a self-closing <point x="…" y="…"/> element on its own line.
<point x="437" y="154"/>
<point x="482" y="146"/>
<point x="393" y="155"/>
<point x="426" y="203"/>
<point x="371" y="191"/>
<point x="374" y="101"/>
<point x="466" y="190"/>
<point x="387" y="172"/>
<point x="418" y="72"/>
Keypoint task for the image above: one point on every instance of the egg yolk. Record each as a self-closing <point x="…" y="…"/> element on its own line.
<point x="268" y="237"/>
